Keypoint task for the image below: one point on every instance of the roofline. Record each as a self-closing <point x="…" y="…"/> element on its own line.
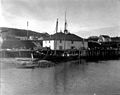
<point x="61" y="39"/>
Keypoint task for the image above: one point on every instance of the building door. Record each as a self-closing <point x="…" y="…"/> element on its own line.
<point x="60" y="48"/>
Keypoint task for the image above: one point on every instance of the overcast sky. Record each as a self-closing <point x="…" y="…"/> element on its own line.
<point x="84" y="17"/>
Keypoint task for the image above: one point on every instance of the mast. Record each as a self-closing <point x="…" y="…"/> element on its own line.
<point x="65" y="27"/>
<point x="56" y="36"/>
<point x="65" y="32"/>
<point x="57" y="26"/>
<point x="27" y="30"/>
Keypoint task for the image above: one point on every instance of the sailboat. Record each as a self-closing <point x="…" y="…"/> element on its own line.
<point x="54" y="57"/>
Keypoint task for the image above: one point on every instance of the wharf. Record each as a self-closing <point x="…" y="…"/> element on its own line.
<point x="79" y="54"/>
<point x="59" y="55"/>
<point x="103" y="54"/>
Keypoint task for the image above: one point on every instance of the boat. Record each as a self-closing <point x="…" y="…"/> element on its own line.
<point x="37" y="64"/>
<point x="26" y="62"/>
<point x="29" y="66"/>
<point x="31" y="63"/>
<point x="55" y="55"/>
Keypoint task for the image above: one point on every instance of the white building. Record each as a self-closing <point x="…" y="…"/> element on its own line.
<point x="62" y="41"/>
<point x="104" y="38"/>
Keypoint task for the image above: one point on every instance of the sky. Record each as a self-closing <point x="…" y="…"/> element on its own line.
<point x="84" y="17"/>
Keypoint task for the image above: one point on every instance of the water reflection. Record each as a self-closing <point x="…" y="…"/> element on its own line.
<point x="70" y="78"/>
<point x="63" y="78"/>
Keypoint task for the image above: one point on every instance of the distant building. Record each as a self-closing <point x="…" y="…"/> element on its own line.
<point x="105" y="42"/>
<point x="104" y="38"/>
<point x="62" y="41"/>
<point x="33" y="38"/>
<point x="40" y="38"/>
<point x="115" y="39"/>
<point x="22" y="37"/>
<point x="99" y="42"/>
<point x="93" y="39"/>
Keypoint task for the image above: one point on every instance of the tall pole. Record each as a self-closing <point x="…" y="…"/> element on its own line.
<point x="65" y="31"/>
<point x="27" y="30"/>
<point x="65" y="27"/>
<point x="56" y="36"/>
<point x="57" y="26"/>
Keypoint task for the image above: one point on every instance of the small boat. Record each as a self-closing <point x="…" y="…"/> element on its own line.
<point x="26" y="62"/>
<point x="37" y="64"/>
<point x="29" y="66"/>
<point x="32" y="63"/>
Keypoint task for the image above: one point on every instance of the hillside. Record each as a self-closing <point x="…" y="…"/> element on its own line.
<point x="11" y="41"/>
<point x="13" y="32"/>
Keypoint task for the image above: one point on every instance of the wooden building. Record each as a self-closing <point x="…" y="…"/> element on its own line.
<point x="63" y="41"/>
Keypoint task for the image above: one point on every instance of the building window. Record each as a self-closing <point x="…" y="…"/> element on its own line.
<point x="60" y="47"/>
<point x="49" y="41"/>
<point x="72" y="42"/>
<point x="72" y="47"/>
<point x="60" y="41"/>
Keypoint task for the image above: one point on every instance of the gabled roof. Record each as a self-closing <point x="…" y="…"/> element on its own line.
<point x="63" y="36"/>
<point x="93" y="38"/>
<point x="105" y="36"/>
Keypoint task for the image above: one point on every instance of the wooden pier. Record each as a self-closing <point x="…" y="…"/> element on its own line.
<point x="103" y="53"/>
<point x="60" y="54"/>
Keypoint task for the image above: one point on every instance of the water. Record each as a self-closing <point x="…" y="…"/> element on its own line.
<point x="70" y="78"/>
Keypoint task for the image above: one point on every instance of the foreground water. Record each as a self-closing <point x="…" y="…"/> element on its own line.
<point x="70" y="78"/>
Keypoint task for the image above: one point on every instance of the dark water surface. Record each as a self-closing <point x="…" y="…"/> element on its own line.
<point x="70" y="78"/>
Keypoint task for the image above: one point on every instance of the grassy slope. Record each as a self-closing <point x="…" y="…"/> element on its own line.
<point x="20" y="32"/>
<point x="11" y="42"/>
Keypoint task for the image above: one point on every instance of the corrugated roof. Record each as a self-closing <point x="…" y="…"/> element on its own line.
<point x="63" y="36"/>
